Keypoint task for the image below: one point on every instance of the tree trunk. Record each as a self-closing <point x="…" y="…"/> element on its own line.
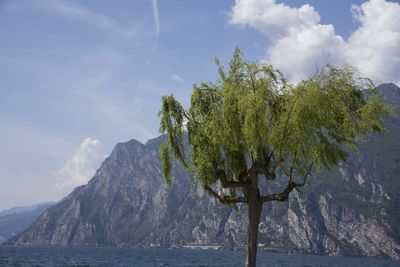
<point x="254" y="209"/>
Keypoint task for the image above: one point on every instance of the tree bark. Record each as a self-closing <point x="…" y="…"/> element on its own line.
<point x="254" y="212"/>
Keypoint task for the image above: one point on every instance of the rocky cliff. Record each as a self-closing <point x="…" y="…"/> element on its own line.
<point x="351" y="210"/>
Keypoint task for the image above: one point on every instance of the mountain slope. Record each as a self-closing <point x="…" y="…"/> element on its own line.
<point x="15" y="220"/>
<point x="351" y="210"/>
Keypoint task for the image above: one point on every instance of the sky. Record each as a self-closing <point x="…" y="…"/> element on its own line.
<point x="77" y="77"/>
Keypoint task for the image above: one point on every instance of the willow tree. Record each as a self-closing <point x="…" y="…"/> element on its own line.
<point x="253" y="124"/>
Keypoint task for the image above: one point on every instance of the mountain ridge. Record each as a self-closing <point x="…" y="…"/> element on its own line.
<point x="17" y="219"/>
<point x="352" y="212"/>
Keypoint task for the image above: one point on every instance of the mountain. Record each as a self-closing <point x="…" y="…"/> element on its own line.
<point x="15" y="220"/>
<point x="349" y="210"/>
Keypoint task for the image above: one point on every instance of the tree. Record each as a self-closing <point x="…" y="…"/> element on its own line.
<point x="253" y="124"/>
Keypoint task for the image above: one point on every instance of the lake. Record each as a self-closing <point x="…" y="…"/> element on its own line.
<point x="112" y="256"/>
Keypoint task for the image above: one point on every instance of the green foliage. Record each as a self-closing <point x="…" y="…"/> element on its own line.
<point x="166" y="163"/>
<point x="252" y="113"/>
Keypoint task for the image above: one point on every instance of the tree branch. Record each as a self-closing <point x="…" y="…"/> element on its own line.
<point x="225" y="183"/>
<point x="225" y="199"/>
<point x="207" y="89"/>
<point x="306" y="175"/>
<point x="251" y="77"/>
<point x="285" y="129"/>
<point x="284" y="195"/>
<point x="258" y="168"/>
<point x="242" y="176"/>
<point x="292" y="167"/>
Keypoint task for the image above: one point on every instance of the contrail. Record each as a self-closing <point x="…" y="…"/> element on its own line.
<point x="156" y="17"/>
<point x="157" y="24"/>
<point x="151" y="53"/>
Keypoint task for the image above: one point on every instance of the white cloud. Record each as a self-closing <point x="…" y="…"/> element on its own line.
<point x="301" y="53"/>
<point x="176" y="78"/>
<point x="301" y="44"/>
<point x="78" y="170"/>
<point x="156" y="16"/>
<point x="273" y="19"/>
<point x="375" y="46"/>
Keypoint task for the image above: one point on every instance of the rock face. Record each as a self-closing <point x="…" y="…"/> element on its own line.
<point x="351" y="210"/>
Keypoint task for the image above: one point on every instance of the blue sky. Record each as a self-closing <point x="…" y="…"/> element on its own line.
<point x="76" y="77"/>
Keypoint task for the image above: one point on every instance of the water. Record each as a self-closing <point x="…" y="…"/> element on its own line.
<point x="109" y="256"/>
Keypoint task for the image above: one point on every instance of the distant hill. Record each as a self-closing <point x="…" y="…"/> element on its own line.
<point x="351" y="210"/>
<point x="15" y="220"/>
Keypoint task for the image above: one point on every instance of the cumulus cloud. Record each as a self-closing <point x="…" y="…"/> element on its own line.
<point x="301" y="44"/>
<point x="301" y="53"/>
<point x="275" y="20"/>
<point x="176" y="78"/>
<point x="375" y="46"/>
<point x="78" y="170"/>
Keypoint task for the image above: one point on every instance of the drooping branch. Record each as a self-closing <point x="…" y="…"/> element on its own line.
<point x="292" y="167"/>
<point x="284" y="195"/>
<point x="285" y="129"/>
<point x="251" y="77"/>
<point x="225" y="199"/>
